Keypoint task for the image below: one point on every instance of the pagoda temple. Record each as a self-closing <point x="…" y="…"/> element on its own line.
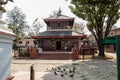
<point x="59" y="36"/>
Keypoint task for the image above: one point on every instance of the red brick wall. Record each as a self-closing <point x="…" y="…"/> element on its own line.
<point x="109" y="48"/>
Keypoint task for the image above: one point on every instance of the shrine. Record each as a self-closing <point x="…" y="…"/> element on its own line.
<point x="59" y="38"/>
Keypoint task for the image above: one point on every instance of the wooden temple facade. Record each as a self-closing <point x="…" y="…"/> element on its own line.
<point x="59" y="35"/>
<point x="59" y="38"/>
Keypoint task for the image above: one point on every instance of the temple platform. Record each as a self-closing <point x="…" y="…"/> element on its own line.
<point x="34" y="53"/>
<point x="53" y="55"/>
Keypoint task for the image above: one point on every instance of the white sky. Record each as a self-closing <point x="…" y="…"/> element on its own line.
<point x="41" y="8"/>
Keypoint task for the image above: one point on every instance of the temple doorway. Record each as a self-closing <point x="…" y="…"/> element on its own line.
<point x="58" y="45"/>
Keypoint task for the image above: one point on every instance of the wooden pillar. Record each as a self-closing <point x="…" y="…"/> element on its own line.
<point x="42" y="44"/>
<point x="62" y="44"/>
<point x="32" y="74"/>
<point x="53" y="44"/>
<point x="79" y="43"/>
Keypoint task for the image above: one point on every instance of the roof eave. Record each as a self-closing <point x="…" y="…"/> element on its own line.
<point x="55" y="19"/>
<point x="37" y="37"/>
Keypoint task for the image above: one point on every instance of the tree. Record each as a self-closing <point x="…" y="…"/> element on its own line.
<point x="79" y="27"/>
<point x="35" y="28"/>
<point x="101" y="16"/>
<point x="16" y="20"/>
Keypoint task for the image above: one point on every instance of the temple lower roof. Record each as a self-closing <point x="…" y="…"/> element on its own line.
<point x="60" y="33"/>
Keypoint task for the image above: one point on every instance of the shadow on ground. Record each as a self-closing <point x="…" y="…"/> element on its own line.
<point x="84" y="70"/>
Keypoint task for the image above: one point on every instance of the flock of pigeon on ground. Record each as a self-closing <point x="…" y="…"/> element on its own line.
<point x="64" y="71"/>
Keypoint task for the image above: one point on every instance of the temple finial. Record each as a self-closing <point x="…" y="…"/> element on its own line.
<point x="59" y="11"/>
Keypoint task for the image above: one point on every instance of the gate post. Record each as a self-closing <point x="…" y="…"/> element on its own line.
<point x="118" y="55"/>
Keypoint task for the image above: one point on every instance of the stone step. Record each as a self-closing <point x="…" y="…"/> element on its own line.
<point x="55" y="56"/>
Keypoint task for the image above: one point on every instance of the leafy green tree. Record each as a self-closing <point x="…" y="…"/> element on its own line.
<point x="101" y="16"/>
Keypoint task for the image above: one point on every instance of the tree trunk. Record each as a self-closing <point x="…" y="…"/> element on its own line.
<point x="101" y="50"/>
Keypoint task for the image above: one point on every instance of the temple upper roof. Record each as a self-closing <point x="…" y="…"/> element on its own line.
<point x="59" y="16"/>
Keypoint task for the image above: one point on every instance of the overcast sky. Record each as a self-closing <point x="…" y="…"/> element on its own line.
<point x="41" y="8"/>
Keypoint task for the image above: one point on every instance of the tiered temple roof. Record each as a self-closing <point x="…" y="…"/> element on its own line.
<point x="66" y="31"/>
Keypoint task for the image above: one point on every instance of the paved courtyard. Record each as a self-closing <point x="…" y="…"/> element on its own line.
<point x="89" y="69"/>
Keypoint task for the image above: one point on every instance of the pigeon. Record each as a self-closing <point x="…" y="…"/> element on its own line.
<point x="71" y="75"/>
<point x="59" y="68"/>
<point x="55" y="73"/>
<point x="62" y="75"/>
<point x="74" y="68"/>
<point x="61" y="71"/>
<point x="65" y="73"/>
<point x="70" y="71"/>
<point x="53" y="69"/>
<point x="64" y="69"/>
